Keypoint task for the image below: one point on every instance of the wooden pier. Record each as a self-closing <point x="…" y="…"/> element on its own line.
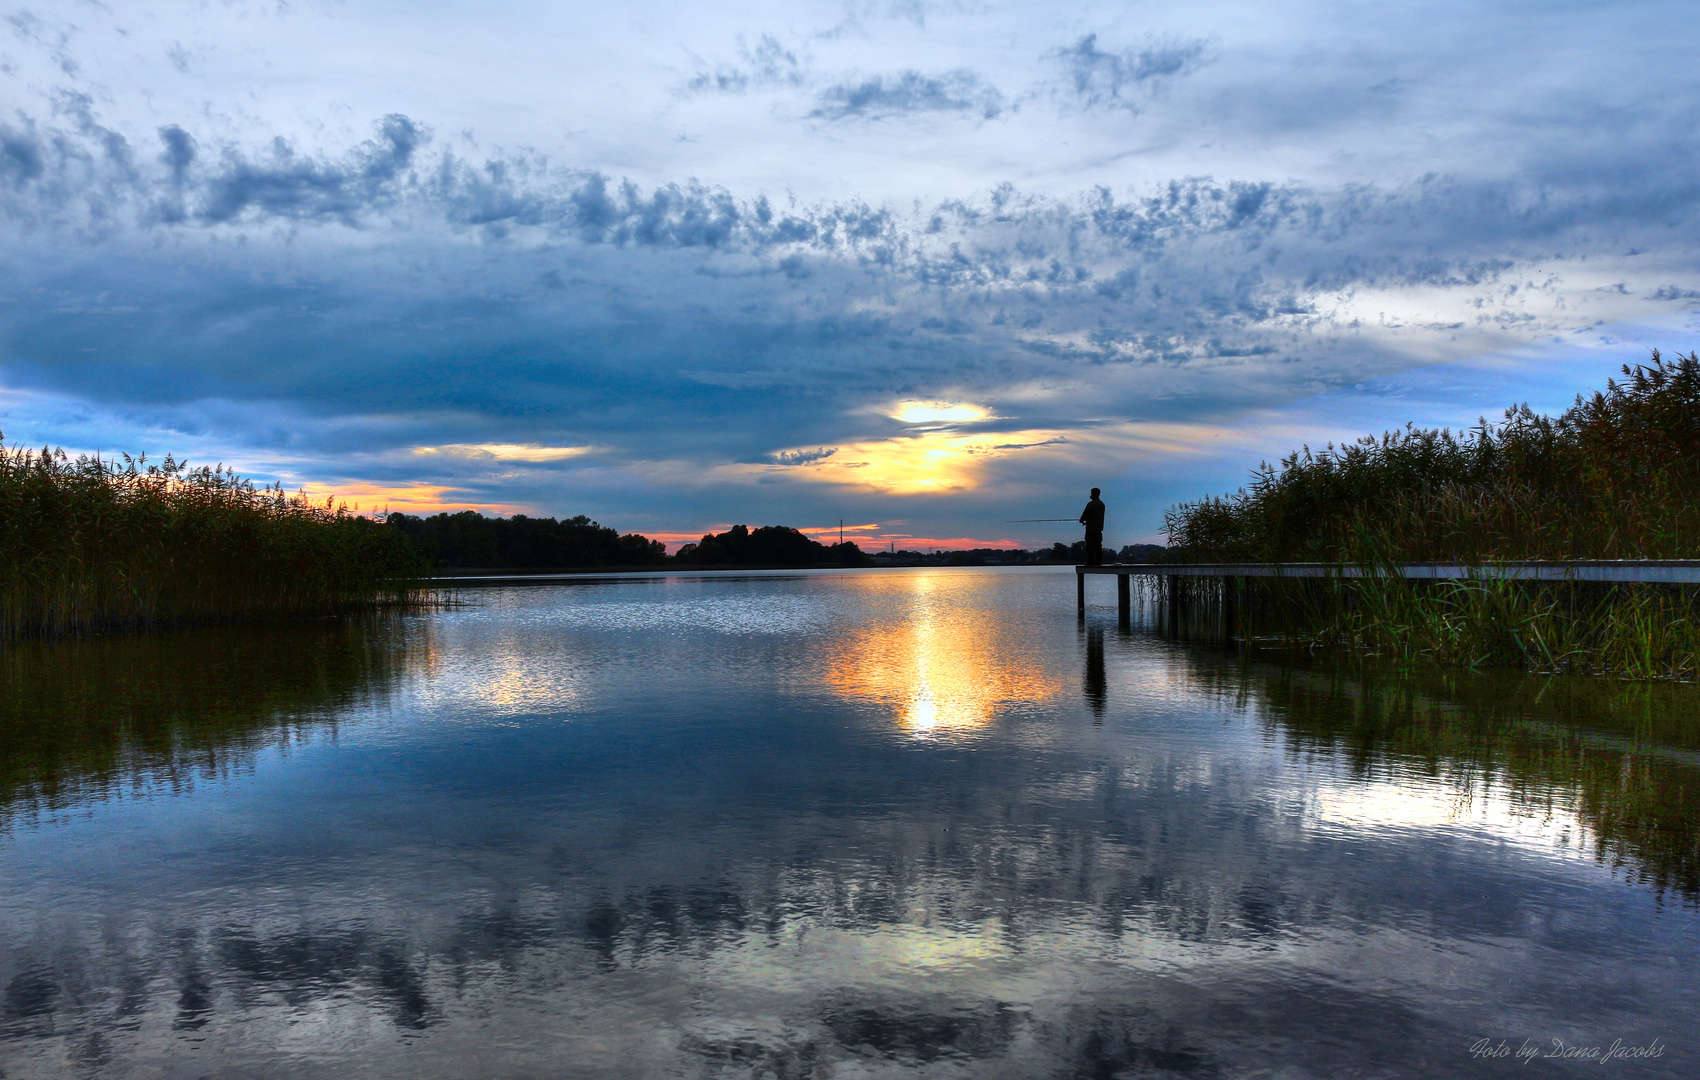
<point x="1618" y="571"/>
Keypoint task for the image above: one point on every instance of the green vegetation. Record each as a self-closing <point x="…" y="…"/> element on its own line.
<point x="1616" y="476"/>
<point x="469" y="540"/>
<point x="770" y="545"/>
<point x="88" y="546"/>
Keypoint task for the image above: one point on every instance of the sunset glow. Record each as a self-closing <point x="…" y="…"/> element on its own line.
<point x="934" y="462"/>
<point x="937" y="412"/>
<point x="422" y="499"/>
<point x="505" y="451"/>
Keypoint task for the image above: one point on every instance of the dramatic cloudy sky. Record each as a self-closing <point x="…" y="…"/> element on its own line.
<point x="925" y="267"/>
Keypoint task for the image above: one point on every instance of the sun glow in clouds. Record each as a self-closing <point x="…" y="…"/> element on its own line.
<point x="403" y="498"/>
<point x="939" y="412"/>
<point x="936" y="461"/>
<point x="531" y="452"/>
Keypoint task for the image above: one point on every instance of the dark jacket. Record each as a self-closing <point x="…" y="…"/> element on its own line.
<point x="1093" y="516"/>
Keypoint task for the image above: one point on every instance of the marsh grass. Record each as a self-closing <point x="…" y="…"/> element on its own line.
<point x="1616" y="476"/>
<point x="91" y="546"/>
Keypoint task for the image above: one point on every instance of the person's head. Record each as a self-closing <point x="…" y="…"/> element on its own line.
<point x="1094" y="493"/>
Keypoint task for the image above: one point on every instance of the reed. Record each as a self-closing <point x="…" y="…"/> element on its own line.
<point x="91" y="546"/>
<point x="1616" y="476"/>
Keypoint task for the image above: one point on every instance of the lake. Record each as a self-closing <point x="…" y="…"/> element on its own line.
<point x="831" y="824"/>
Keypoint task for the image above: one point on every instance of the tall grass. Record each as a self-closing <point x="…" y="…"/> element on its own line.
<point x="88" y="546"/>
<point x="1615" y="476"/>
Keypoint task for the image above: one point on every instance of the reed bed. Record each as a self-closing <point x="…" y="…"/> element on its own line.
<point x="92" y="546"/>
<point x="1616" y="476"/>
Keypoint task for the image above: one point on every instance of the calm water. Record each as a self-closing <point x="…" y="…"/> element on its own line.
<point x="858" y="824"/>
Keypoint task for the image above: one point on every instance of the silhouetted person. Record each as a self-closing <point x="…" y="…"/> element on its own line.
<point x="1093" y="518"/>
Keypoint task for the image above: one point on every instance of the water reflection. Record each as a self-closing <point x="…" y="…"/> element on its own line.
<point x="1095" y="684"/>
<point x="1610" y="768"/>
<point x="90" y="719"/>
<point x="550" y="843"/>
<point x="944" y="657"/>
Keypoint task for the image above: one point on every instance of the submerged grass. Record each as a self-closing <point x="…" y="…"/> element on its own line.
<point x="91" y="546"/>
<point x="1616" y="476"/>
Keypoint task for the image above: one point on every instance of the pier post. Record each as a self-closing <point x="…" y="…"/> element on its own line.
<point x="1079" y="593"/>
<point x="1174" y="605"/>
<point x="1124" y="601"/>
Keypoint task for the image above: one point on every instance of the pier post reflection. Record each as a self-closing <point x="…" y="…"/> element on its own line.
<point x="1096" y="685"/>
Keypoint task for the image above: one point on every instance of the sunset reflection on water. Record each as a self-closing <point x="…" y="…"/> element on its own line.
<point x="943" y="659"/>
<point x="895" y="823"/>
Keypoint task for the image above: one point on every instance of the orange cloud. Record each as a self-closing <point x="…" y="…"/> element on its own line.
<point x="938" y="412"/>
<point x="403" y="498"/>
<point x="932" y="462"/>
<point x="834" y="530"/>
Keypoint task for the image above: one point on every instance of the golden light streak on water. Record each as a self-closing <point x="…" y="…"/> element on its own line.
<point x="944" y="666"/>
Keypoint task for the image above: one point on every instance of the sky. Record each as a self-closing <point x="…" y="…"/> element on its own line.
<point x="925" y="268"/>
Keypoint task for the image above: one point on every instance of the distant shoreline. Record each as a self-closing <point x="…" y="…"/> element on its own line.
<point x="469" y="576"/>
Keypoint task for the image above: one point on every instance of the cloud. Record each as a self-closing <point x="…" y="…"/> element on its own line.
<point x="881" y="97"/>
<point x="939" y="412"/>
<point x="179" y="151"/>
<point x="550" y="306"/>
<point x="1126" y="79"/>
<point x="412" y="271"/>
<point x="804" y="457"/>
<point x="287" y="184"/>
<point x="21" y="155"/>
<point x="767" y="65"/>
<point x="527" y="452"/>
<point x="926" y="464"/>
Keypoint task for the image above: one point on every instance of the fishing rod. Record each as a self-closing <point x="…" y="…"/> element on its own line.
<point x="1029" y="521"/>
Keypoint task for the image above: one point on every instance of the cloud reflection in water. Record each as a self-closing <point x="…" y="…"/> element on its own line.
<point x="854" y="824"/>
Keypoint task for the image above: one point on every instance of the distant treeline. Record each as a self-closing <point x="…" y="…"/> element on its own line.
<point x="770" y="545"/>
<point x="469" y="540"/>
